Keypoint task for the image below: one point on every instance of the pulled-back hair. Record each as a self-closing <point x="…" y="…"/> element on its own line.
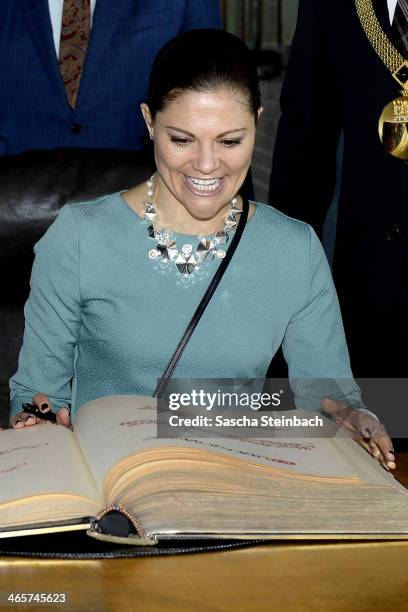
<point x="203" y="60"/>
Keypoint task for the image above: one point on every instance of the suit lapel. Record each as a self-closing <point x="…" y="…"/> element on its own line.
<point x="38" y="24"/>
<point x="103" y="25"/>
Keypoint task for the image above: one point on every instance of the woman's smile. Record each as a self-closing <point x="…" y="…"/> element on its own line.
<point x="203" y="186"/>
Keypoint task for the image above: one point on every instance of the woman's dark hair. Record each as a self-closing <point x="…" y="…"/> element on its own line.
<point x="203" y="60"/>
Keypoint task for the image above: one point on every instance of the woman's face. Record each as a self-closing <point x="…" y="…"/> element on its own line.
<point x="203" y="144"/>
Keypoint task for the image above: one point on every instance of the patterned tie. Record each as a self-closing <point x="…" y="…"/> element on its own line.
<point x="400" y="27"/>
<point x="75" y="28"/>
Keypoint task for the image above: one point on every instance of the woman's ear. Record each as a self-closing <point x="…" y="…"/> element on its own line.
<point x="147" y="116"/>
<point x="259" y="112"/>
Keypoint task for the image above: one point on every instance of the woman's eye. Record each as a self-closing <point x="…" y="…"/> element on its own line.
<point x="229" y="143"/>
<point x="182" y="142"/>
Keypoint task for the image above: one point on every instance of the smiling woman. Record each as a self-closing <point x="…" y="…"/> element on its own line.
<point x="203" y="147"/>
<point x="201" y="114"/>
<point x="116" y="280"/>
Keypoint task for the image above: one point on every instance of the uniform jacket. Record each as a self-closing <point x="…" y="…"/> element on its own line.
<point x="336" y="82"/>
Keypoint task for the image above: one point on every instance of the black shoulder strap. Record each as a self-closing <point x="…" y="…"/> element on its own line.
<point x="168" y="372"/>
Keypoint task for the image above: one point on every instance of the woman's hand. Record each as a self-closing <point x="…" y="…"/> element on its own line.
<point x="42" y="402"/>
<point x="365" y="429"/>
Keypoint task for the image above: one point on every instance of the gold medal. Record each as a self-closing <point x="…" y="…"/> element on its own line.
<point x="393" y="123"/>
<point x="393" y="127"/>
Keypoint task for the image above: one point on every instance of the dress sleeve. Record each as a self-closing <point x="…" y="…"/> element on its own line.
<point x="201" y="14"/>
<point x="52" y="318"/>
<point x="314" y="345"/>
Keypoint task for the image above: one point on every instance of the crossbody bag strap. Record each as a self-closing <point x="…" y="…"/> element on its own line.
<point x="175" y="358"/>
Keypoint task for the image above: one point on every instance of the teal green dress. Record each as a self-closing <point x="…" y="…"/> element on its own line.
<point x="103" y="319"/>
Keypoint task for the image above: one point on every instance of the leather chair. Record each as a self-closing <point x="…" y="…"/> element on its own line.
<point x="33" y="188"/>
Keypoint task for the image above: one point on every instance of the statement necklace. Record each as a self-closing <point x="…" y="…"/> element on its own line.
<point x="393" y="123"/>
<point x="187" y="260"/>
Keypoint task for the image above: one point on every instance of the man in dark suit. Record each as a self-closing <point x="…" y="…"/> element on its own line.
<point x="35" y="110"/>
<point x="337" y="82"/>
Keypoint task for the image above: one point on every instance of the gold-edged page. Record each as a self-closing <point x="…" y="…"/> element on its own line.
<point x="111" y="429"/>
<point x="41" y="469"/>
<point x="218" y="485"/>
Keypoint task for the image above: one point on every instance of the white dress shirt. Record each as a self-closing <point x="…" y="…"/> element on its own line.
<point x="392" y="4"/>
<point x="55" y="7"/>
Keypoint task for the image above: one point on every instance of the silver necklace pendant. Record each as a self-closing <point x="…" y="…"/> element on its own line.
<point x="188" y="262"/>
<point x="205" y="248"/>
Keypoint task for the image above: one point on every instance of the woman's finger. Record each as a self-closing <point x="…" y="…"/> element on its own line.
<point x="381" y="449"/>
<point x="42" y="402"/>
<point x="63" y="417"/>
<point x="23" y="419"/>
<point x="384" y="445"/>
<point x="363" y="443"/>
<point x="374" y="449"/>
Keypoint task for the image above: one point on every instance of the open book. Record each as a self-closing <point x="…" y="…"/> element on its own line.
<point x="53" y="479"/>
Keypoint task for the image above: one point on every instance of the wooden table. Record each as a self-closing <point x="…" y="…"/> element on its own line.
<point x="317" y="577"/>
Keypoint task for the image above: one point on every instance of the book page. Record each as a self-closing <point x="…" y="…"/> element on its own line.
<point x="113" y="428"/>
<point x="40" y="460"/>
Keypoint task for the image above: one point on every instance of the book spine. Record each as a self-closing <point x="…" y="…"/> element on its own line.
<point x="132" y="518"/>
